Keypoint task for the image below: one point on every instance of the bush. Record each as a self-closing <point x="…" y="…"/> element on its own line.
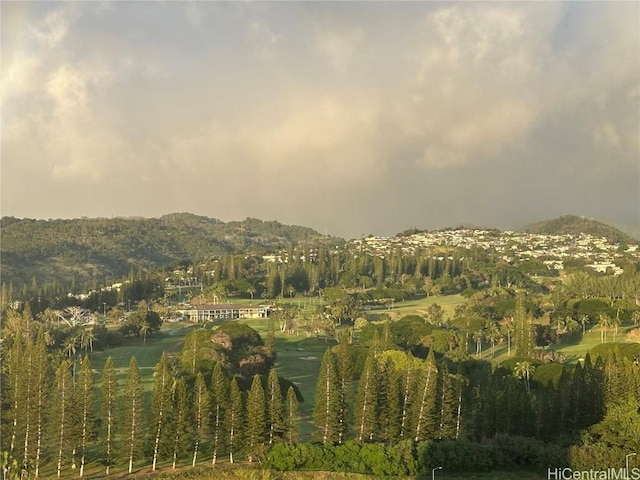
<point x="503" y="452"/>
<point x="369" y="458"/>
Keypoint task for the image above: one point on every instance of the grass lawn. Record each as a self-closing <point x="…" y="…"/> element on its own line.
<point x="168" y="339"/>
<point x="418" y="306"/>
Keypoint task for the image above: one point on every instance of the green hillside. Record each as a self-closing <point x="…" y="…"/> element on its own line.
<point x="97" y="248"/>
<point x="572" y="224"/>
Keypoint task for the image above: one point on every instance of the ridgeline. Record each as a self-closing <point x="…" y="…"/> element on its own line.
<point x="93" y="249"/>
<point x="574" y="225"/>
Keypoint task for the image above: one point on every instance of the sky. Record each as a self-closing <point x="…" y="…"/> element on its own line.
<point x="353" y="118"/>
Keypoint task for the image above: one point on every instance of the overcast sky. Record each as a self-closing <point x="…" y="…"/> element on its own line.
<point x="349" y="117"/>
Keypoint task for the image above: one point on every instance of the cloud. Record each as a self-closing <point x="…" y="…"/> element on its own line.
<point x="357" y="119"/>
<point x="339" y="47"/>
<point x="54" y="27"/>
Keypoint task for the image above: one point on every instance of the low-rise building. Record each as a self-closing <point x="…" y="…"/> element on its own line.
<point x="225" y="311"/>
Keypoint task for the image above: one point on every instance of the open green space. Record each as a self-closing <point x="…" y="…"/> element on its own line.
<point x="147" y="352"/>
<point x="418" y="306"/>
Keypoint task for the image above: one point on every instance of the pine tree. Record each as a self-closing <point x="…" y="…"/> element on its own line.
<point x="270" y="342"/>
<point x="200" y="414"/>
<point x="388" y="407"/>
<point x="327" y="399"/>
<point x="133" y="417"/>
<point x="366" y="401"/>
<point x="408" y="387"/>
<point x="161" y="409"/>
<point x="255" y="432"/>
<point x="234" y="419"/>
<point x="179" y="428"/>
<point x="26" y="405"/>
<point x="291" y="421"/>
<point x="42" y="374"/>
<point x="447" y="404"/>
<point x="593" y="407"/>
<point x="523" y="330"/>
<point x="109" y="391"/>
<point x="344" y="371"/>
<point x="275" y="420"/>
<point x="219" y="406"/>
<point x="85" y="400"/>
<point x="61" y="420"/>
<point x="12" y="392"/>
<point x="425" y="399"/>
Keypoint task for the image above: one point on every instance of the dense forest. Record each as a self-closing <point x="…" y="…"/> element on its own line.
<point x="86" y="250"/>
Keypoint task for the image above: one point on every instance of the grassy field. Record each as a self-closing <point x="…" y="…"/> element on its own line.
<point x="418" y="306"/>
<point x="168" y="339"/>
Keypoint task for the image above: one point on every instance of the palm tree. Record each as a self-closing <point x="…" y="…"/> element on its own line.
<point x="615" y="321"/>
<point x="495" y="335"/>
<point x="479" y="335"/>
<point x="144" y="328"/>
<point x="508" y="328"/>
<point x="70" y="349"/>
<point x="583" y="320"/>
<point x="604" y="322"/>
<point x="524" y="370"/>
<point x="251" y="290"/>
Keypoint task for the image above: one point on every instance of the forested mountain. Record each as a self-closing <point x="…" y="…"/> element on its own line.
<point x="88" y="249"/>
<point x="572" y="224"/>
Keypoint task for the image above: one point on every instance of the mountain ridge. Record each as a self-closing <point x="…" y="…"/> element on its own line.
<point x="86" y="250"/>
<point x="94" y="249"/>
<point x="574" y="224"/>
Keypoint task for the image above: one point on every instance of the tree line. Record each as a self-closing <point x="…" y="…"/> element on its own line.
<point x="54" y="417"/>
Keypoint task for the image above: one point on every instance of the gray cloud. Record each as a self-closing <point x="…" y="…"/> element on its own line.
<point x="354" y="118"/>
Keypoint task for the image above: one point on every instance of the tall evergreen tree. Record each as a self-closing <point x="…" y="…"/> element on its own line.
<point x="180" y="429"/>
<point x="85" y="401"/>
<point x="255" y="419"/>
<point x="327" y="399"/>
<point x="200" y="415"/>
<point x="61" y="419"/>
<point x="291" y="418"/>
<point x="133" y="415"/>
<point x="269" y="344"/>
<point x="344" y="371"/>
<point x="388" y="403"/>
<point x="447" y="404"/>
<point x="275" y="420"/>
<point x="219" y="405"/>
<point x="161" y="410"/>
<point x="523" y="330"/>
<point x="26" y="406"/>
<point x="42" y="373"/>
<point x="408" y="388"/>
<point x="234" y="419"/>
<point x="366" y="401"/>
<point x="109" y="391"/>
<point x="425" y="401"/>
<point x="12" y="391"/>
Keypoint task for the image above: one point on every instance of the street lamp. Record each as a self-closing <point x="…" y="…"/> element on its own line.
<point x="626" y="461"/>
<point x="104" y="308"/>
<point x="433" y="472"/>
